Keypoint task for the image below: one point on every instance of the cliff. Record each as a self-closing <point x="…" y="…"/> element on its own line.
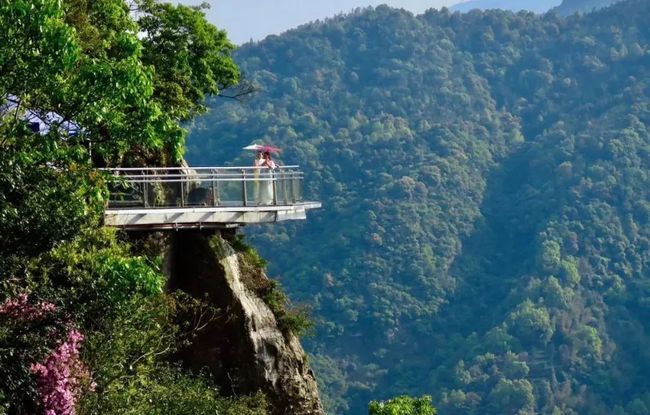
<point x="244" y="349"/>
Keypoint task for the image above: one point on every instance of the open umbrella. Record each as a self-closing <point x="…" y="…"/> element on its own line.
<point x="262" y="147"/>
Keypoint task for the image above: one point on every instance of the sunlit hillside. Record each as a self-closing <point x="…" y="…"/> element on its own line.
<point x="485" y="231"/>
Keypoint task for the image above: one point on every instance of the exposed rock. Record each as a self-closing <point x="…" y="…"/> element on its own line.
<point x="244" y="349"/>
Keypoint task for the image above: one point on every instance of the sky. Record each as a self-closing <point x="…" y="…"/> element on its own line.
<point x="255" y="19"/>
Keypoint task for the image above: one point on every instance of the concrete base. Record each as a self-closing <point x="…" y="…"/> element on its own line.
<point x="204" y="217"/>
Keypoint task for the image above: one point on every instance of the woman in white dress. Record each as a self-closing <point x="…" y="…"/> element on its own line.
<point x="266" y="193"/>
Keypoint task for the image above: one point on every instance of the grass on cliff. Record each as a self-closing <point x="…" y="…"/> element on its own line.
<point x="291" y="318"/>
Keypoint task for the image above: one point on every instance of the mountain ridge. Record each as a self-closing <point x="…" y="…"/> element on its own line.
<point x="534" y="6"/>
<point x="483" y="178"/>
<point x="568" y="7"/>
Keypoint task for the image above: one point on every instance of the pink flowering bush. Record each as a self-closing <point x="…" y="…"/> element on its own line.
<point x="62" y="376"/>
<point x="18" y="308"/>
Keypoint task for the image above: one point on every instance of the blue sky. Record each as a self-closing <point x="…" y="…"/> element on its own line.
<point x="255" y="19"/>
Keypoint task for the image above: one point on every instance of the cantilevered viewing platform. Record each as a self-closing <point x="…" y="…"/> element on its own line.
<point x="204" y="197"/>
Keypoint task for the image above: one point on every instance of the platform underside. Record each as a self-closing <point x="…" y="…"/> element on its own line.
<point x="204" y="217"/>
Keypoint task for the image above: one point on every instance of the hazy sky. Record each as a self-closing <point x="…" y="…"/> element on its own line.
<point x="255" y="19"/>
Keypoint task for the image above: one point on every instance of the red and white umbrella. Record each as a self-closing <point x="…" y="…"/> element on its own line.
<point x="262" y="147"/>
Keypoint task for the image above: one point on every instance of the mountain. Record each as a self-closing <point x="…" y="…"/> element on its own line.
<point x="569" y="7"/>
<point x="485" y="179"/>
<point x="564" y="7"/>
<point x="535" y="6"/>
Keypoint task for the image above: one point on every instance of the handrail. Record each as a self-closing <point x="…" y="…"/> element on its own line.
<point x="192" y="168"/>
<point x="157" y="187"/>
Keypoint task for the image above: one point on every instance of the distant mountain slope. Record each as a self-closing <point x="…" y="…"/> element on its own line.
<point x="537" y="6"/>
<point x="569" y="7"/>
<point x="485" y="179"/>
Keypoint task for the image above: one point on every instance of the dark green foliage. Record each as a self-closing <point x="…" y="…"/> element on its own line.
<point x="403" y="405"/>
<point x="250" y="255"/>
<point x="133" y="378"/>
<point x="485" y="176"/>
<point x="290" y="318"/>
<point x="191" y="57"/>
<point x="41" y="205"/>
<point x="536" y="6"/>
<point x="100" y="92"/>
<point x="94" y="275"/>
<point x="569" y="7"/>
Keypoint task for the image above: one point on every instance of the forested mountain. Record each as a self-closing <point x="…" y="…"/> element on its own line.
<point x="536" y="6"/>
<point x="569" y="7"/>
<point x="485" y="231"/>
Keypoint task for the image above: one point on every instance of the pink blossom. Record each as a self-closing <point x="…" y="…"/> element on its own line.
<point x="62" y="376"/>
<point x="18" y="308"/>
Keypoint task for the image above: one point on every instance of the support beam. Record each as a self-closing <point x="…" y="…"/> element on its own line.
<point x="207" y="217"/>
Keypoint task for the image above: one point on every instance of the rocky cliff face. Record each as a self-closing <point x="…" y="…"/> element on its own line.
<point x="243" y="348"/>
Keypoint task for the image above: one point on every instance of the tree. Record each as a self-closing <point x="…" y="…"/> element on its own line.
<point x="84" y="85"/>
<point x="512" y="397"/>
<point x="191" y="56"/>
<point x="531" y="323"/>
<point x="402" y="405"/>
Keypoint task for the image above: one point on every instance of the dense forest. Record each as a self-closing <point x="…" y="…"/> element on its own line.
<point x="565" y="7"/>
<point x="536" y="6"/>
<point x="581" y="6"/>
<point x="485" y="176"/>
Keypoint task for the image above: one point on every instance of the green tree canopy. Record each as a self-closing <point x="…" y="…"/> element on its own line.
<point x="484" y="179"/>
<point x="77" y="308"/>
<point x="403" y="405"/>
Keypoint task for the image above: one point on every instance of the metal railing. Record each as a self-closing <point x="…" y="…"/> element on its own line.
<point x="162" y="187"/>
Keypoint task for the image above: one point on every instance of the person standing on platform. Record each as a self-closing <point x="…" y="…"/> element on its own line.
<point x="266" y="194"/>
<point x="267" y="162"/>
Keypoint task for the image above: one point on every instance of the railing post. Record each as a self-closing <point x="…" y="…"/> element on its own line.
<point x="145" y="193"/>
<point x="285" y="178"/>
<point x="285" y="197"/>
<point x="182" y="191"/>
<point x="145" y="190"/>
<point x="243" y="186"/>
<point x="293" y="186"/>
<point x="283" y="185"/>
<point x="275" y="193"/>
<point x="215" y="196"/>
<point x="297" y="187"/>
